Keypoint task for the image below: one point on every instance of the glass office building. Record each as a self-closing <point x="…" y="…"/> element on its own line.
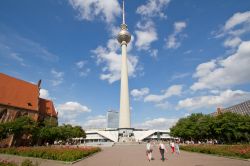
<point x="242" y="108"/>
<point x="112" y="119"/>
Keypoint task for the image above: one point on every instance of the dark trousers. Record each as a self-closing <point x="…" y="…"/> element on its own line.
<point x="162" y="154"/>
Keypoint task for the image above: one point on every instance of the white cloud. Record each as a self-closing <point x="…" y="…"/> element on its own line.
<point x="234" y="28"/>
<point x="139" y="93"/>
<point x="146" y="32"/>
<point x="112" y="61"/>
<point x="153" y="53"/>
<point x="69" y="111"/>
<point x="80" y="64"/>
<point x="82" y="69"/>
<point x="222" y="99"/>
<point x="158" y="123"/>
<point x="237" y="19"/>
<point x="234" y="70"/>
<point x="232" y="42"/>
<point x="44" y="94"/>
<point x="173" y="40"/>
<point x="173" y="90"/>
<point x="145" y="35"/>
<point x="153" y="8"/>
<point x="99" y="121"/>
<point x="90" y="9"/>
<point x="72" y="106"/>
<point x="57" y="77"/>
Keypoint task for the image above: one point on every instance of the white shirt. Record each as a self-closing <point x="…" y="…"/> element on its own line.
<point x="172" y="144"/>
<point x="148" y="146"/>
<point x="162" y="146"/>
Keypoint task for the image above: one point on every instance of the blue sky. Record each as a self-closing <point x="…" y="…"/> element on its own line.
<point x="184" y="57"/>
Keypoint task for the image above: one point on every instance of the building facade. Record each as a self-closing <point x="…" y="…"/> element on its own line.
<point x="20" y="98"/>
<point x="241" y="108"/>
<point x="112" y="119"/>
<point x="104" y="136"/>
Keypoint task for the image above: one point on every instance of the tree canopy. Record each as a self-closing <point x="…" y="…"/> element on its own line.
<point x="40" y="132"/>
<point x="227" y="127"/>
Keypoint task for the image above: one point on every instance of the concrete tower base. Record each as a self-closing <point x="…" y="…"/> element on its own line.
<point x="126" y="135"/>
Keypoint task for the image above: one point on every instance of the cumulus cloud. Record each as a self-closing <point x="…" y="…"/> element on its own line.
<point x="57" y="77"/>
<point x="99" y="121"/>
<point x="44" y="94"/>
<point x="158" y="123"/>
<point x="146" y="32"/>
<point x="173" y="90"/>
<point x="224" y="98"/>
<point x="234" y="28"/>
<point x="153" y="8"/>
<point x="69" y="111"/>
<point x="224" y="73"/>
<point x="139" y="93"/>
<point x="90" y="9"/>
<point x="174" y="40"/>
<point x="145" y="35"/>
<point x="111" y="59"/>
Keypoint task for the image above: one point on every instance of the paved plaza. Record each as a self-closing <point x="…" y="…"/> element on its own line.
<point x="134" y="155"/>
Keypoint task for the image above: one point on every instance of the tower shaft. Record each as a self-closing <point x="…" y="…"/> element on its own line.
<point x="124" y="120"/>
<point x="124" y="38"/>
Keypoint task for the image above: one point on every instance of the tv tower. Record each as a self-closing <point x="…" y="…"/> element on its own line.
<point x="124" y="38"/>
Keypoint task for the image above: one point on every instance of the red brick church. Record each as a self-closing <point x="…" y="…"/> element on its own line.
<point x="21" y="98"/>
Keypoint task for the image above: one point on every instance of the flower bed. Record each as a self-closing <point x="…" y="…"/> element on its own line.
<point x="241" y="151"/>
<point x="7" y="163"/>
<point x="53" y="153"/>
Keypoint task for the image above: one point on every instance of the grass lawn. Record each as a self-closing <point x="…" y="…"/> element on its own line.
<point x="54" y="153"/>
<point x="239" y="151"/>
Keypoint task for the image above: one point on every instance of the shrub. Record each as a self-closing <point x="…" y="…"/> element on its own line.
<point x="7" y="163"/>
<point x="53" y="153"/>
<point x="242" y="151"/>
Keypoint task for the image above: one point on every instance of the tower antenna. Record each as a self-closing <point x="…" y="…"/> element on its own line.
<point x="123" y="12"/>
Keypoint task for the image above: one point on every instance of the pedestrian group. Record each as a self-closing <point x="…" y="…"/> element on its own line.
<point x="162" y="149"/>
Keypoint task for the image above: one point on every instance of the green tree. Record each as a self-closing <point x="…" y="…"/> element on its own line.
<point x="227" y="127"/>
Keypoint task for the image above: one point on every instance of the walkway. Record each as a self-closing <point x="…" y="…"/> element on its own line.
<point x="135" y="155"/>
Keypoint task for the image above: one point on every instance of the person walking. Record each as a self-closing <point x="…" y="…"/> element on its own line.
<point x="172" y="146"/>
<point x="149" y="151"/>
<point x="177" y="148"/>
<point x="162" y="149"/>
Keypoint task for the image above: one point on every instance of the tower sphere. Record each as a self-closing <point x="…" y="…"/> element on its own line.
<point x="124" y="35"/>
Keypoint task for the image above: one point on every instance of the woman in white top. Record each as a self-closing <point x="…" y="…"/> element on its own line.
<point x="149" y="151"/>
<point x="162" y="149"/>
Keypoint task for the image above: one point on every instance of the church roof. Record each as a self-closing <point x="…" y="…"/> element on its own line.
<point x="18" y="93"/>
